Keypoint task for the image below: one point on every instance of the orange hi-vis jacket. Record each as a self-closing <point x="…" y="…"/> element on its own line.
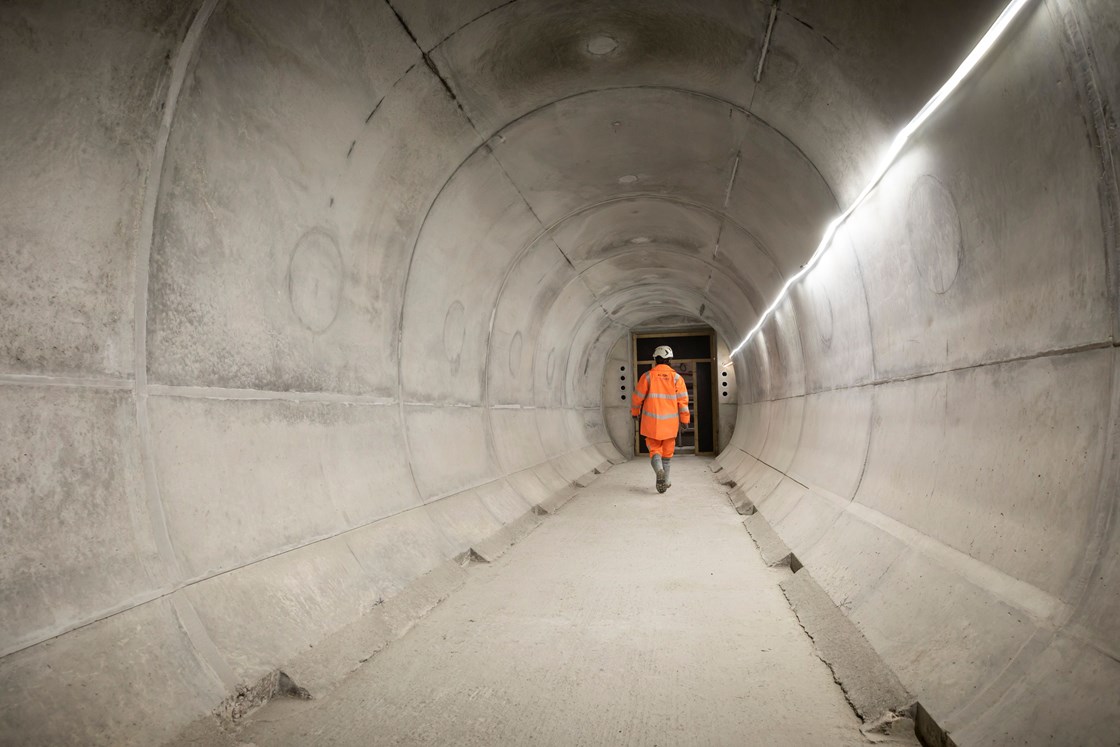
<point x="662" y="400"/>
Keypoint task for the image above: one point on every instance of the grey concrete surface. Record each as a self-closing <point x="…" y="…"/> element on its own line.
<point x="871" y="688"/>
<point x="627" y="618"/>
<point x="304" y="300"/>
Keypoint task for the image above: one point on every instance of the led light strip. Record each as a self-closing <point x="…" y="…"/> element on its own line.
<point x="978" y="53"/>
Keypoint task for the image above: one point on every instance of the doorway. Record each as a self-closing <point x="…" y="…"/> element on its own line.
<point x="694" y="360"/>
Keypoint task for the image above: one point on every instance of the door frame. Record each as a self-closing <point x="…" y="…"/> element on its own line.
<point x="686" y="332"/>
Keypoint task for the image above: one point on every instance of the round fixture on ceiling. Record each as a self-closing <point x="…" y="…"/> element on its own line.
<point x="627" y="179"/>
<point x="640" y="240"/>
<point x="601" y="45"/>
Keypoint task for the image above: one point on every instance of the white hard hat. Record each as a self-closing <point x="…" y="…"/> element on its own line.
<point x="663" y="351"/>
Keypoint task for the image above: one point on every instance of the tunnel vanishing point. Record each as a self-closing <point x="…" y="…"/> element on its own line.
<point x="305" y="301"/>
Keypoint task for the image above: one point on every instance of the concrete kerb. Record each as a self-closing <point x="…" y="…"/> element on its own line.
<point x="741" y="502"/>
<point x="554" y="503"/>
<point x="585" y="479"/>
<point x="495" y="546"/>
<point x="871" y="687"/>
<point x="775" y="552"/>
<point x="317" y="671"/>
<point x="874" y="691"/>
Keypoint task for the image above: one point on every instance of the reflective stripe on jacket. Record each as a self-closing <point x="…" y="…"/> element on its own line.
<point x="661" y="398"/>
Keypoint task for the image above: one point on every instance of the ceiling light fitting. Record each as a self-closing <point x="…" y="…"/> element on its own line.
<point x="978" y="53"/>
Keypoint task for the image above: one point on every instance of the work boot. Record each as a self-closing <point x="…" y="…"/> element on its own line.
<point x="659" y="470"/>
<point x="665" y="469"/>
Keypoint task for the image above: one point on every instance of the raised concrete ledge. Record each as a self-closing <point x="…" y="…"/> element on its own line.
<point x="741" y="502"/>
<point x="873" y="689"/>
<point x="373" y="588"/>
<point x="774" y="551"/>
<point x="493" y="548"/>
<point x="554" y="503"/>
<point x="317" y="671"/>
<point x="321" y="668"/>
<point x="765" y="495"/>
<point x="586" y="479"/>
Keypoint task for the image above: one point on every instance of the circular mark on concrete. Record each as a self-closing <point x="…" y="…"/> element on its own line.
<point x="601" y="45"/>
<point x="934" y="231"/>
<point x="822" y="310"/>
<point x="454" y="330"/>
<point x="550" y="366"/>
<point x="315" y="280"/>
<point x="515" y="354"/>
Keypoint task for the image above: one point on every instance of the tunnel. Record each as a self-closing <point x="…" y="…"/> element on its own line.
<point x="310" y="304"/>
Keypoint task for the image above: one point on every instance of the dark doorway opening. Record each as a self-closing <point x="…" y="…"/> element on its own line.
<point x="694" y="360"/>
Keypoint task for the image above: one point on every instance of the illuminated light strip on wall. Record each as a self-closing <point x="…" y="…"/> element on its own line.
<point x="978" y="53"/>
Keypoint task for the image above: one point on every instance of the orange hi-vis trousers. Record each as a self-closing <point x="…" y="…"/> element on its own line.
<point x="663" y="446"/>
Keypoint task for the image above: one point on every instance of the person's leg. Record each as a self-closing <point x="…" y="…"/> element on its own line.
<point x="656" y="448"/>
<point x="666" y="457"/>
<point x="655" y="451"/>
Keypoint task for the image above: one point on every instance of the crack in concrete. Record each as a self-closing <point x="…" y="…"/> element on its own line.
<point x="809" y="26"/>
<point x="396" y="82"/>
<point x="473" y="20"/>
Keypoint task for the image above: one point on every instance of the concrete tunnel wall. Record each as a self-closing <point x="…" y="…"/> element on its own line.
<point x="304" y="301"/>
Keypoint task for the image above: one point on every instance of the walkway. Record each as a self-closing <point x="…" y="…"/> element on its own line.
<point x="628" y="618"/>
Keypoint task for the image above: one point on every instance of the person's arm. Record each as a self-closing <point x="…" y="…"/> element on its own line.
<point x="682" y="401"/>
<point x="641" y="390"/>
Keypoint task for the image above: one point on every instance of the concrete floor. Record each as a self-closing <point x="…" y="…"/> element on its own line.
<point x="627" y="618"/>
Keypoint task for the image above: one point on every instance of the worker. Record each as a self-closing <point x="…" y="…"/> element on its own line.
<point x="661" y="401"/>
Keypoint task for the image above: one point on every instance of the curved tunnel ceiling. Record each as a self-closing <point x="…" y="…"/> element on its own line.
<point x="583" y="129"/>
<point x="674" y="184"/>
